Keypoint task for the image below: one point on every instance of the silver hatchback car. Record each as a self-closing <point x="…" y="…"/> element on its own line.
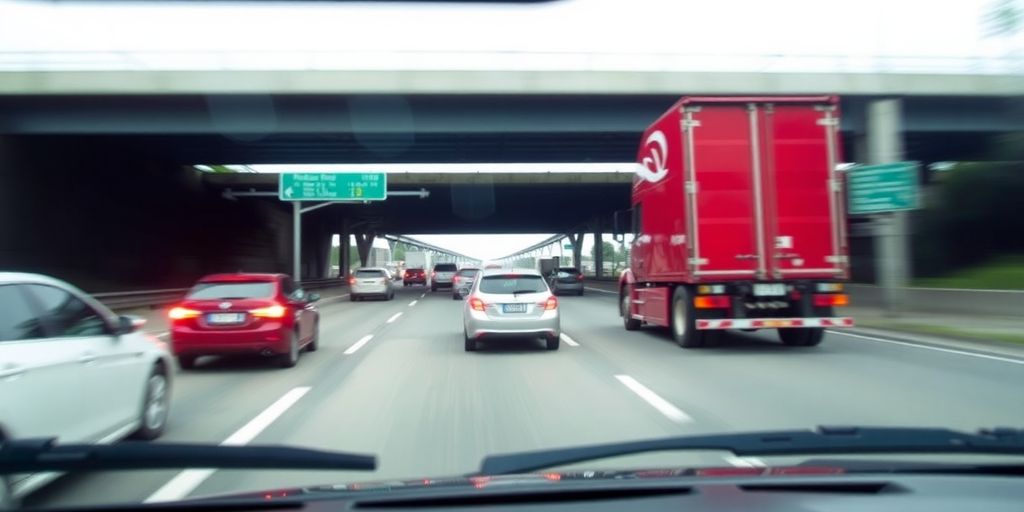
<point x="371" y="282"/>
<point x="511" y="303"/>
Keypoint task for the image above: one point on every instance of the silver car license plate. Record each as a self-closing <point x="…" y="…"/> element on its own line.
<point x="225" y="318"/>
<point x="513" y="308"/>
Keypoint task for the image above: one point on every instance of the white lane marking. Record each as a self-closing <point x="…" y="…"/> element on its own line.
<point x="185" y="482"/>
<point x="929" y="347"/>
<point x="600" y="290"/>
<point x="359" y="344"/>
<point x="413" y="303"/>
<point x="663" y="406"/>
<point x="162" y="334"/>
<point x="394" y="317"/>
<point x="569" y="341"/>
<point x="423" y="295"/>
<point x="744" y="462"/>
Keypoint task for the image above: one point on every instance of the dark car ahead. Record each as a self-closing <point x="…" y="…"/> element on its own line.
<point x="237" y="314"/>
<point x="566" y="280"/>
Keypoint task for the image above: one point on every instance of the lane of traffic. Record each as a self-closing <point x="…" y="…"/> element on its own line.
<point x="750" y="381"/>
<point x="429" y="408"/>
<point x="220" y="395"/>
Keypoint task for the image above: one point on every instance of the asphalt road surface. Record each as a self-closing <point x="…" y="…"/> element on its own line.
<point x="391" y="378"/>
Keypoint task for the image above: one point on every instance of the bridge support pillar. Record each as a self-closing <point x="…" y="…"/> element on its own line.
<point x="598" y="253"/>
<point x="344" y="251"/>
<point x="364" y="242"/>
<point x="885" y="145"/>
<point x="576" y="239"/>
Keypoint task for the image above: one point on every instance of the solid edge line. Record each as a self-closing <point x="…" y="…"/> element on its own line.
<point x="394" y="317"/>
<point x="663" y="406"/>
<point x="929" y="347"/>
<point x="188" y="480"/>
<point x="358" y="345"/>
<point x="569" y="341"/>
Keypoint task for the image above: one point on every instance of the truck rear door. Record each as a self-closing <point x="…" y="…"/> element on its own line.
<point x="761" y="196"/>
<point x="804" y="226"/>
<point x="720" y="191"/>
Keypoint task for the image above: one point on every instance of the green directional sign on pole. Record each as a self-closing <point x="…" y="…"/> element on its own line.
<point x="320" y="186"/>
<point x="882" y="188"/>
<point x="567" y="247"/>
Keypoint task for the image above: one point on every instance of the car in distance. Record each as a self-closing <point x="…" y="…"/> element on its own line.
<point x="371" y="282"/>
<point x="442" y="276"/>
<point x="566" y="280"/>
<point x="463" y="281"/>
<point x="414" y="276"/>
<point x="510" y="303"/>
<point x="238" y="314"/>
<point x="72" y="369"/>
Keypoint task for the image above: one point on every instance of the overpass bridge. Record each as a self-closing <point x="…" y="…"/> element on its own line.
<point x="88" y="146"/>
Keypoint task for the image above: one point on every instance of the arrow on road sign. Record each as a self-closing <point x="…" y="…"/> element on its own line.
<point x="288" y="192"/>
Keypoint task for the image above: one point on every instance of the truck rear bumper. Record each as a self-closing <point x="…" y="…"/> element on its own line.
<point x="769" y="323"/>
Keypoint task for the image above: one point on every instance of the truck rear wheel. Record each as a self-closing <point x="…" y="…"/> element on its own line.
<point x="630" y="323"/>
<point x="684" y="320"/>
<point x="802" y="337"/>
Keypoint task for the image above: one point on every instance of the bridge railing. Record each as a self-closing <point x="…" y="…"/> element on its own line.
<point x="163" y="297"/>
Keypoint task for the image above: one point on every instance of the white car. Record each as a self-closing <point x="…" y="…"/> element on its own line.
<point x="371" y="282"/>
<point x="72" y="369"/>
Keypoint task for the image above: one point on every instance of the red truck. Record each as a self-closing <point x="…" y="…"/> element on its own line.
<point x="738" y="220"/>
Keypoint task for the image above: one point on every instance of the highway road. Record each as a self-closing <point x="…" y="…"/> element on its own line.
<point x="391" y="378"/>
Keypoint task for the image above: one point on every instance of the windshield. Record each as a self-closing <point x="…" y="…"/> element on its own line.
<point x="511" y="284"/>
<point x="233" y="290"/>
<point x="434" y="231"/>
<point x="370" y="273"/>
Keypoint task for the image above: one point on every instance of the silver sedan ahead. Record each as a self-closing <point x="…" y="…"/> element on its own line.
<point x="511" y="303"/>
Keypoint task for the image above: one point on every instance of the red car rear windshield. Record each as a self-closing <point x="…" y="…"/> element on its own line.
<point x="226" y="290"/>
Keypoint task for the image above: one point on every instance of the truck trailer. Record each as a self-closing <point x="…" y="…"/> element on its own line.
<point x="738" y="220"/>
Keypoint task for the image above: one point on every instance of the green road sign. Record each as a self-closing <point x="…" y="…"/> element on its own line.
<point x="319" y="186"/>
<point x="882" y="188"/>
<point x="567" y="247"/>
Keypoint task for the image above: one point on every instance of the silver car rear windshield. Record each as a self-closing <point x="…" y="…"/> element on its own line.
<point x="254" y="290"/>
<point x="369" y="273"/>
<point x="509" y="284"/>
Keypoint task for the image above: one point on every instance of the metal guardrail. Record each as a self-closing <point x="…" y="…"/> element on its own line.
<point x="163" y="297"/>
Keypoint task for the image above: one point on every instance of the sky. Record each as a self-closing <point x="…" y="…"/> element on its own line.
<point x="951" y="28"/>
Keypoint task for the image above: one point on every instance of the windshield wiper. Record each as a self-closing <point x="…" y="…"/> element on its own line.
<point x="39" y="455"/>
<point x="517" y="292"/>
<point x="826" y="440"/>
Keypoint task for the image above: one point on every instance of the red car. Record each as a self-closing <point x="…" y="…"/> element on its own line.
<point x="414" y="276"/>
<point x="229" y="314"/>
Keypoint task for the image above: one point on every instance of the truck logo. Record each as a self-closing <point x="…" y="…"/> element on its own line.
<point x="652" y="168"/>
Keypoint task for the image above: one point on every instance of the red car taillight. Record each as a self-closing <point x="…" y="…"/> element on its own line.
<point x="477" y="305"/>
<point x="579" y="277"/>
<point x="275" y="311"/>
<point x="551" y="303"/>
<point x="180" y="313"/>
<point x="351" y="279"/>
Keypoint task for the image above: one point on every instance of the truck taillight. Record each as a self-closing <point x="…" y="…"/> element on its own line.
<point x="476" y="304"/>
<point x="180" y="313"/>
<point x="831" y="299"/>
<point x="275" y="311"/>
<point x="712" y="302"/>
